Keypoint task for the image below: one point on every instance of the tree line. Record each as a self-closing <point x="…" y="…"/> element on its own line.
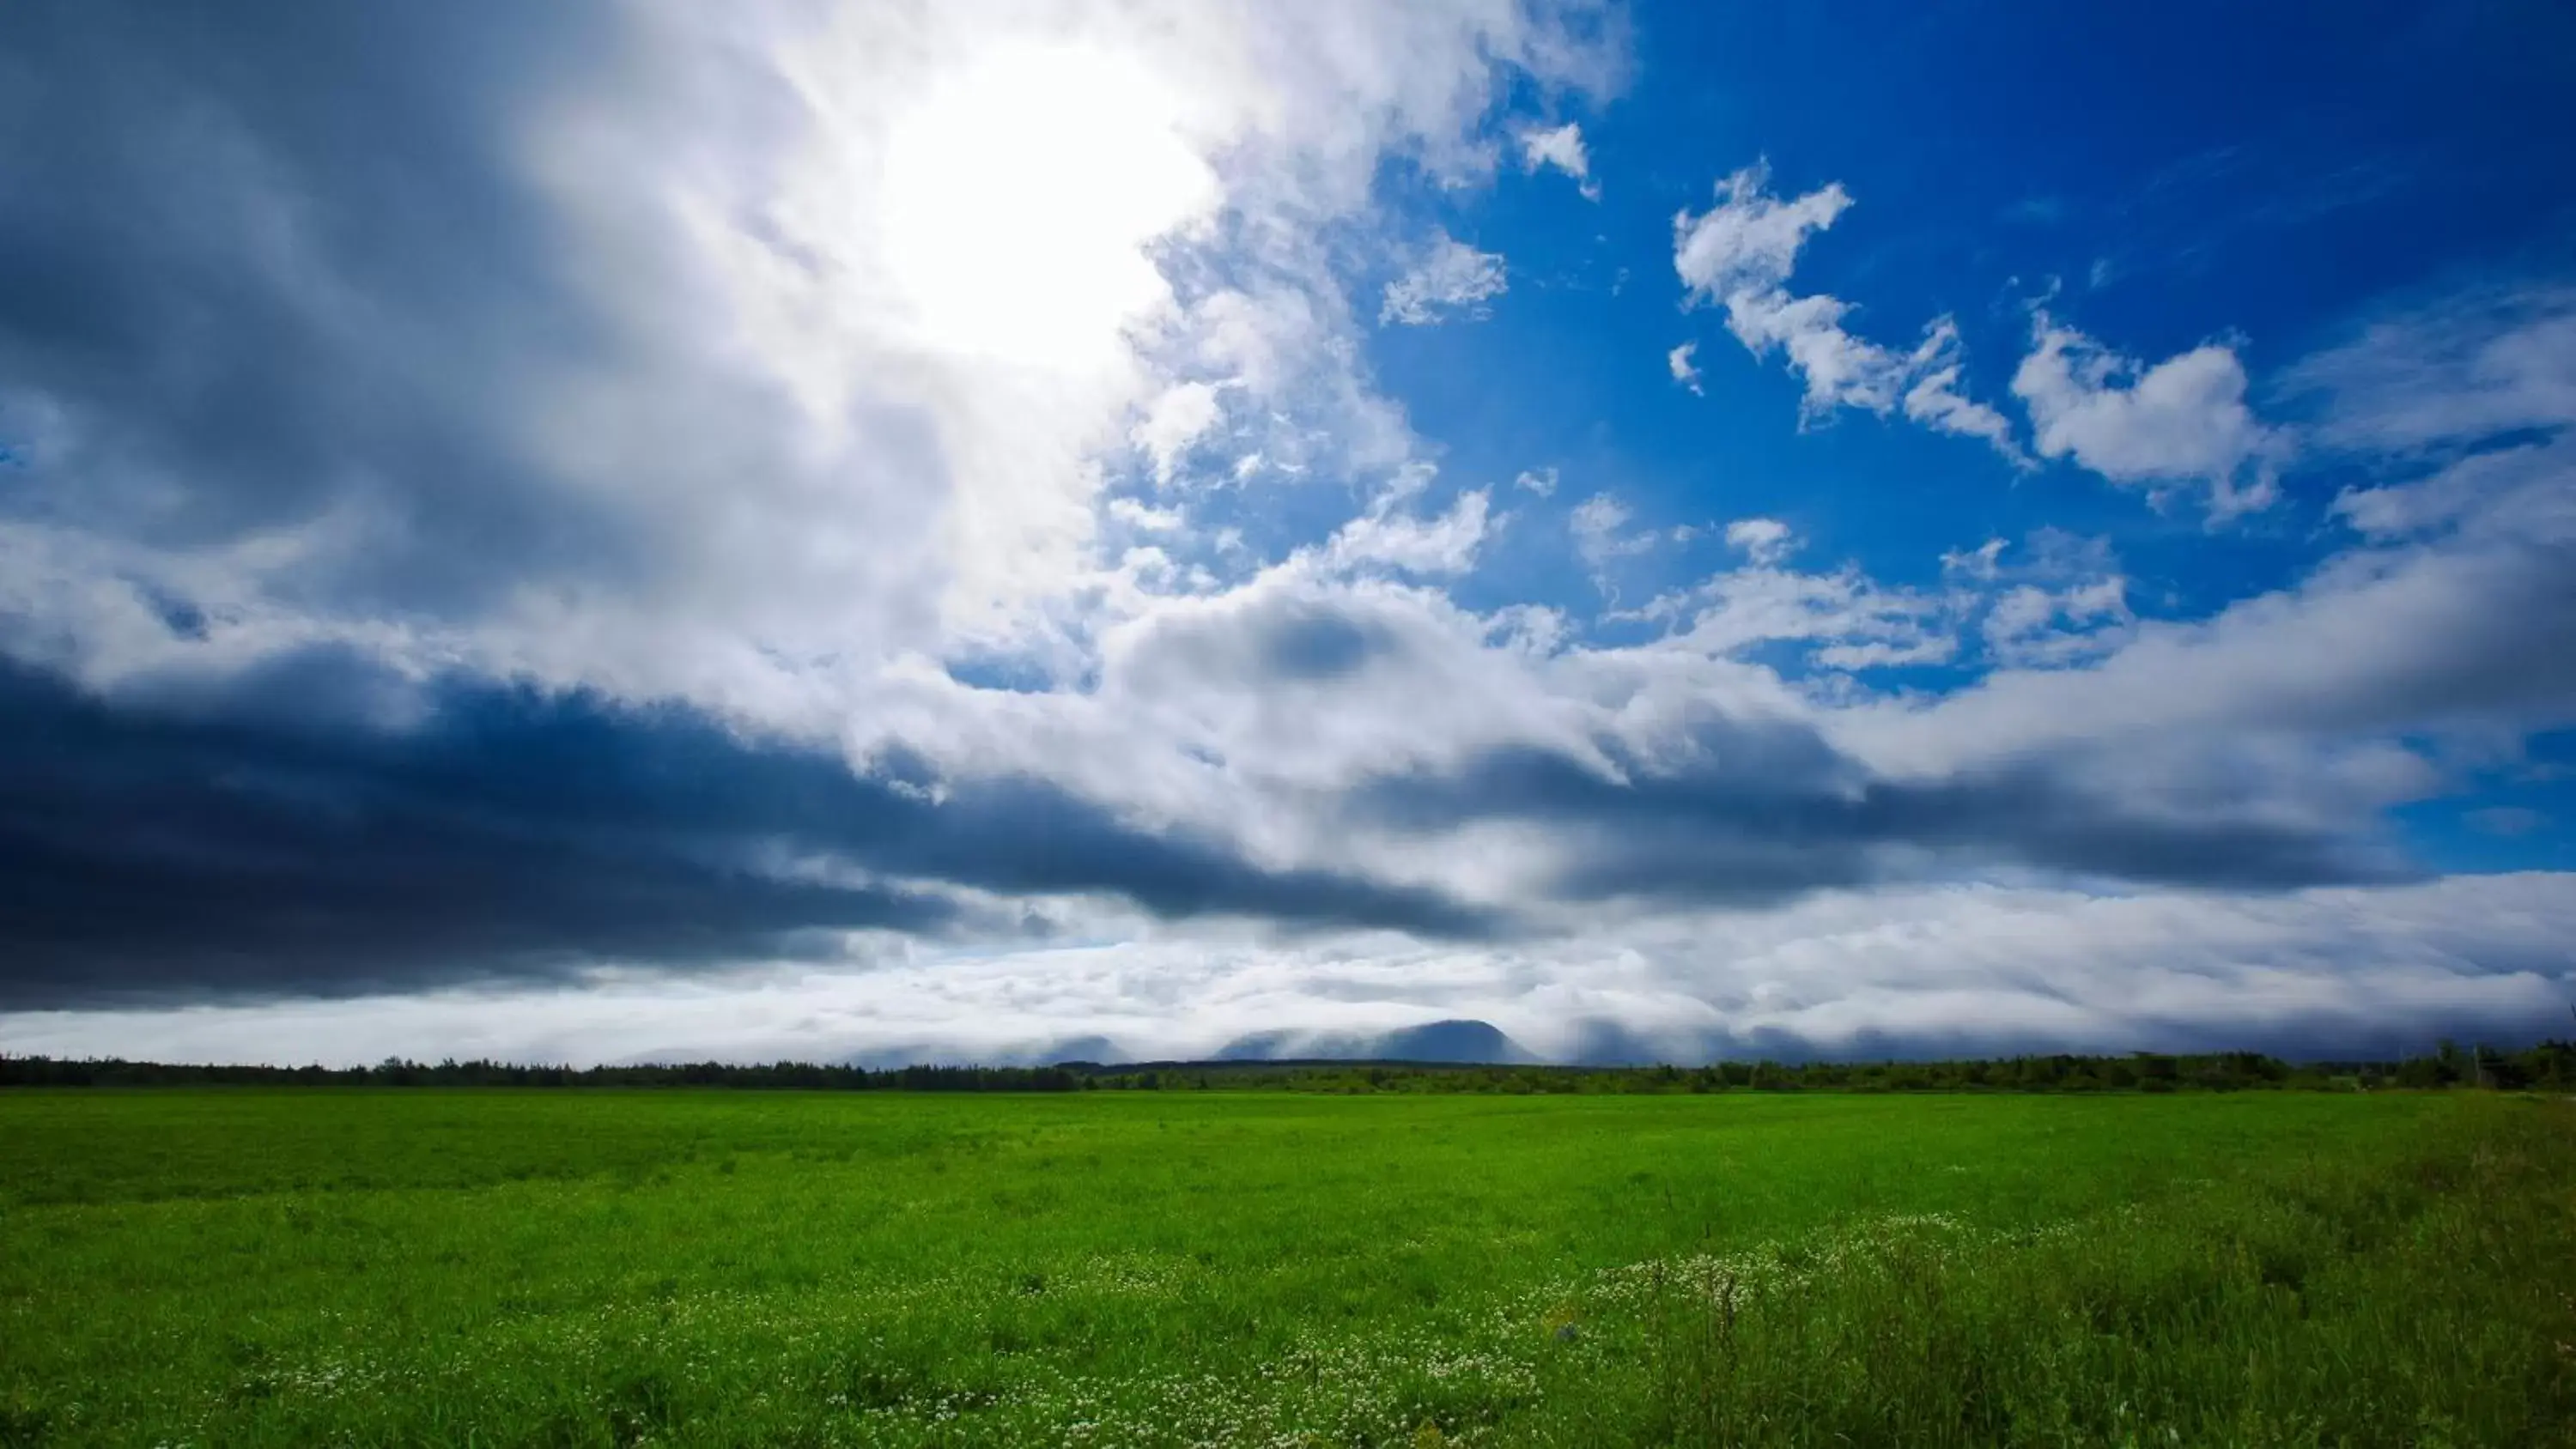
<point x="2548" y="1066"/>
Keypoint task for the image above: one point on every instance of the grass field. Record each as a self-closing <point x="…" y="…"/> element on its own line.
<point x="501" y="1268"/>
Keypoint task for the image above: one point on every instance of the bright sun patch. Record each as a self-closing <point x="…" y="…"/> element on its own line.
<point x="1019" y="198"/>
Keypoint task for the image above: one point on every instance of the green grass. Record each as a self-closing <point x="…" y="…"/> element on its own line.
<point x="270" y="1266"/>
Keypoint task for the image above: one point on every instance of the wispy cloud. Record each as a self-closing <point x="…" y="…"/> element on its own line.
<point x="2492" y="360"/>
<point x="1452" y="280"/>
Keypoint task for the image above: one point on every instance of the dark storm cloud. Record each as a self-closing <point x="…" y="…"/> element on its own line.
<point x="271" y="264"/>
<point x="320" y="827"/>
<point x="261" y="258"/>
<point x="1766" y="812"/>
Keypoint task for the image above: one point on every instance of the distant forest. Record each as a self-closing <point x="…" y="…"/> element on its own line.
<point x="2548" y="1066"/>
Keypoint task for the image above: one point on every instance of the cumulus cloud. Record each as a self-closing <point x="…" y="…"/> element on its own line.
<point x="1560" y="147"/>
<point x="1394" y="539"/>
<point x="1749" y="242"/>
<point x="2059" y="600"/>
<point x="1762" y="540"/>
<point x="1840" y="619"/>
<point x="1684" y="370"/>
<point x="1739" y="255"/>
<point x="2182" y="420"/>
<point x="441" y="328"/>
<point x="1451" y="280"/>
<point x="1174" y="422"/>
<point x="1146" y="519"/>
<point x="2031" y="625"/>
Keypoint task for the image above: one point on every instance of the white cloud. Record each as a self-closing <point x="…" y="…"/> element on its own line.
<point x="1764" y="541"/>
<point x="2523" y="489"/>
<point x="1840" y="370"/>
<point x="1175" y="421"/>
<point x="2465" y="633"/>
<point x="1562" y="148"/>
<point x="2182" y="420"/>
<point x="2061" y="600"/>
<point x="903" y="277"/>
<point x="1943" y="970"/>
<point x="1541" y="481"/>
<point x="2495" y="360"/>
<point x="1684" y="370"/>
<point x="1450" y="281"/>
<point x="1442" y="545"/>
<point x="1843" y="620"/>
<point x="1597" y="524"/>
<point x="1980" y="563"/>
<point x="2481" y="389"/>
<point x="1145" y="519"/>
<point x="1749" y="242"/>
<point x="1934" y="398"/>
<point x="2034" y="627"/>
<point x="1739" y="255"/>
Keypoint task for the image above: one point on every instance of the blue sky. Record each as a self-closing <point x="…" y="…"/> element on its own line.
<point x="862" y="528"/>
<point x="2267" y="179"/>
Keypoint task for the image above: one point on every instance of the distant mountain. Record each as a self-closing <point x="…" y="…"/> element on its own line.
<point x="1602" y="1043"/>
<point x="1451" y="1041"/>
<point x="1260" y="1046"/>
<point x="1075" y="1049"/>
<point x="1462" y="1042"/>
<point x="1455" y="1042"/>
<point x="1035" y="1054"/>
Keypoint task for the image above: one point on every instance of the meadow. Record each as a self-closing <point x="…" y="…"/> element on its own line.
<point x="259" y="1266"/>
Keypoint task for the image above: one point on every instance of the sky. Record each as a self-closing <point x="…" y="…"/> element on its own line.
<point x="1012" y="529"/>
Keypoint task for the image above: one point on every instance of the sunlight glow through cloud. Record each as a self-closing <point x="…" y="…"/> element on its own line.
<point x="1020" y="197"/>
